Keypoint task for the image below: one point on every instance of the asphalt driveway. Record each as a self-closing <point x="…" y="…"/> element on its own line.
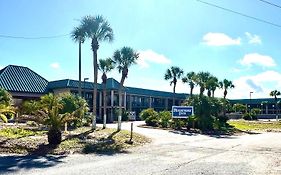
<point x="169" y="153"/>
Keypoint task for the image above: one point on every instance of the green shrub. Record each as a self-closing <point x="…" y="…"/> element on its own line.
<point x="164" y="118"/>
<point x="247" y="116"/>
<point x="178" y="123"/>
<point x="146" y="113"/>
<point x="152" y="120"/>
<point x="191" y="121"/>
<point x="125" y="115"/>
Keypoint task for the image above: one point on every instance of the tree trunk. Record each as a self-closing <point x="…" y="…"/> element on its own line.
<point x="79" y="87"/>
<point x="95" y="89"/>
<point x="104" y="105"/>
<point x="213" y="93"/>
<point x="191" y="91"/>
<point x="54" y="136"/>
<point x="225" y="93"/>
<point x="120" y="102"/>
<point x="174" y="93"/>
<point x="209" y="93"/>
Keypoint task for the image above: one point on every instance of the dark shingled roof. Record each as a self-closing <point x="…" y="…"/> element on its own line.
<point x="67" y="83"/>
<point x="112" y="84"/>
<point x="148" y="92"/>
<point x="22" y="79"/>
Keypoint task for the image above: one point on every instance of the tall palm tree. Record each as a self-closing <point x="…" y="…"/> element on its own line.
<point x="226" y="84"/>
<point x="274" y="94"/>
<point x="190" y="79"/>
<point x="173" y="74"/>
<point x="78" y="35"/>
<point x="123" y="58"/>
<point x="105" y="65"/>
<point x="97" y="29"/>
<point x="201" y="80"/>
<point x="212" y="85"/>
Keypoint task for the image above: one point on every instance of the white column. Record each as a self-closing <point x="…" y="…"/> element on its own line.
<point x="125" y="102"/>
<point x="150" y="102"/>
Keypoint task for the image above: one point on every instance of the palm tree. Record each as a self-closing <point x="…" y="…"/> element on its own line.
<point x="226" y="84"/>
<point x="105" y="65"/>
<point x="201" y="80"/>
<point x="173" y="74"/>
<point x="4" y="109"/>
<point x="123" y="58"/>
<point x="97" y="29"/>
<point x="78" y="35"/>
<point x="51" y="111"/>
<point x="190" y="79"/>
<point x="274" y="94"/>
<point x="212" y="85"/>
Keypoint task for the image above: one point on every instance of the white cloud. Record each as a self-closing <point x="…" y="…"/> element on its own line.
<point x="253" y="39"/>
<point x="257" y="59"/>
<point x="55" y="65"/>
<point x="261" y="84"/>
<point x="220" y="39"/>
<point x="149" y="56"/>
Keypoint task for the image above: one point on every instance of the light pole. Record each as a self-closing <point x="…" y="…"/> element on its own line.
<point x="250" y="101"/>
<point x="85" y="79"/>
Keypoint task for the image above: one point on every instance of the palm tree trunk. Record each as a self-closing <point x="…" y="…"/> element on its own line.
<point x="79" y="87"/>
<point x="191" y="91"/>
<point x="95" y="89"/>
<point x="174" y="92"/>
<point x="213" y="93"/>
<point x="104" y="106"/>
<point x="120" y="102"/>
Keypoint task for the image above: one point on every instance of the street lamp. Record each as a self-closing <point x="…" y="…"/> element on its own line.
<point x="250" y="101"/>
<point x="85" y="79"/>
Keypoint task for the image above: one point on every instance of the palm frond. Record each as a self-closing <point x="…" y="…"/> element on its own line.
<point x="3" y="118"/>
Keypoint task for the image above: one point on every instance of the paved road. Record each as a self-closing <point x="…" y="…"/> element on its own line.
<point x="169" y="153"/>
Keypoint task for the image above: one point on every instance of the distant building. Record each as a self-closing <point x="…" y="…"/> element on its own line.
<point x="25" y="84"/>
<point x="22" y="83"/>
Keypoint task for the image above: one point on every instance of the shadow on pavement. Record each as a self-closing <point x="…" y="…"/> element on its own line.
<point x="14" y="163"/>
<point x="105" y="146"/>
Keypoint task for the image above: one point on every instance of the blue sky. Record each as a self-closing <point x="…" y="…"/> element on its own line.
<point x="184" y="33"/>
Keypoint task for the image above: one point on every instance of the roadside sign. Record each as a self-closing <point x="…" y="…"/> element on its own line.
<point x="132" y="115"/>
<point x="182" y="111"/>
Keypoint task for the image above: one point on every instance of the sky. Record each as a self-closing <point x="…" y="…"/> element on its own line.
<point x="185" y="33"/>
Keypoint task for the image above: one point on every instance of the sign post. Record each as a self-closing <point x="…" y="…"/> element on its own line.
<point x="182" y="111"/>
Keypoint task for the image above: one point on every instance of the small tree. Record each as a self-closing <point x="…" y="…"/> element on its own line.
<point x="52" y="111"/>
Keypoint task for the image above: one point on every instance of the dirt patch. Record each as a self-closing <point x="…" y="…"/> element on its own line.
<point x="82" y="140"/>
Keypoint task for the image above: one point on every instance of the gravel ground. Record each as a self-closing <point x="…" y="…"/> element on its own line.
<point x="169" y="153"/>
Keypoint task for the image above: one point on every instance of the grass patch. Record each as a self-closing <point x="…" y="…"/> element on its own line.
<point x="19" y="132"/>
<point x="255" y="125"/>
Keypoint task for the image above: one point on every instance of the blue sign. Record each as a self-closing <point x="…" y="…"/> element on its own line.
<point x="182" y="111"/>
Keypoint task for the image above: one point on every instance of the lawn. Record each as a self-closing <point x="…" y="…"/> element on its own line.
<point x="255" y="125"/>
<point x="82" y="140"/>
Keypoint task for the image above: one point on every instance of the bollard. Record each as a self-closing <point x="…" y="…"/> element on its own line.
<point x="132" y="124"/>
<point x="131" y="136"/>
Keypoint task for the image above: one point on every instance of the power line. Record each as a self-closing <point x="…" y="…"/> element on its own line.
<point x="31" y="38"/>
<point x="270" y="3"/>
<point x="241" y="14"/>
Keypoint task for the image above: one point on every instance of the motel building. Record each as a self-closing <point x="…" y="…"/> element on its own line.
<point x="25" y="84"/>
